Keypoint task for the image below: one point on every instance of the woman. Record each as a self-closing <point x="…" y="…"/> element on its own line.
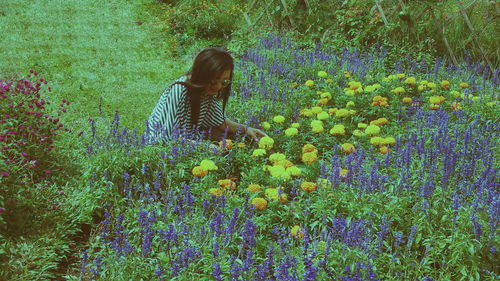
<point x="194" y="105"/>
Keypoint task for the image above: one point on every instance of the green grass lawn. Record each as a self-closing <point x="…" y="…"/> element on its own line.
<point x="91" y="49"/>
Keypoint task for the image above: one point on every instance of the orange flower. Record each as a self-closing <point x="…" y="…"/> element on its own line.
<point x="229" y="144"/>
<point x="309" y="157"/>
<point x="308" y="148"/>
<point x="199" y="172"/>
<point x="227" y="184"/>
<point x="308" y="186"/>
<point x="259" y="203"/>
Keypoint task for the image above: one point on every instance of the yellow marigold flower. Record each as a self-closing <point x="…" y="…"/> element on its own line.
<point x="326" y="95"/>
<point x="349" y="104"/>
<point x="265" y="125"/>
<point x="297" y="232"/>
<point x="372" y="130"/>
<point x="258" y="152"/>
<point x="455" y="94"/>
<point x="294" y="171"/>
<point x="322" y="102"/>
<point x="359" y="90"/>
<point x="199" y="172"/>
<point x="294" y="85"/>
<point x="285" y="163"/>
<point x="353" y="85"/>
<point x="379" y="122"/>
<point x="208" y="165"/>
<point x="337" y="130"/>
<point x="308" y="148"/>
<point x="434" y="100"/>
<point x="216" y="191"/>
<point x="316" y="109"/>
<point x="324" y="183"/>
<point x="423" y="82"/>
<point x="348" y="147"/>
<point x="434" y="106"/>
<point x="411" y="81"/>
<point x="329" y="80"/>
<point x="431" y="85"/>
<point x="295" y="125"/>
<point x="318" y="129"/>
<point x="445" y="84"/>
<point x="456" y="106"/>
<point x="392" y="77"/>
<point x="259" y="203"/>
<point x="358" y="133"/>
<point x="377" y="141"/>
<point x="400" y="75"/>
<point x="227" y="184"/>
<point x="343" y="172"/>
<point x="384" y="149"/>
<point x="276" y="194"/>
<point x="266" y="143"/>
<point x="277" y="171"/>
<point x="362" y="125"/>
<point x="306" y="112"/>
<point x="421" y="88"/>
<point x="275" y="157"/>
<point x="308" y="186"/>
<point x="491" y="103"/>
<point x="252" y="188"/>
<point x="309" y="157"/>
<point x="323" y="115"/>
<point x="369" y="89"/>
<point x="278" y="119"/>
<point x="464" y="85"/>
<point x="228" y="145"/>
<point x="389" y="141"/>
<point x="315" y="123"/>
<point x="322" y="74"/>
<point x="350" y="93"/>
<point x="347" y="74"/>
<point x="407" y="100"/>
<point x="241" y="145"/>
<point x="309" y="83"/>
<point x="399" y="90"/>
<point x="290" y="132"/>
<point x="332" y="111"/>
<point x="342" y="113"/>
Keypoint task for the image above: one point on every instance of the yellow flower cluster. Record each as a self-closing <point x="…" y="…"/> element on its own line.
<point x="227" y="144"/>
<point x="372" y="88"/>
<point x="372" y="130"/>
<point x="342" y="113"/>
<point x="266" y="143"/>
<point x="464" y="85"/>
<point x="411" y="81"/>
<point x="309" y="154"/>
<point x="407" y="100"/>
<point x="297" y="231"/>
<point x="265" y="125"/>
<point x="278" y="119"/>
<point x="253" y="188"/>
<point x="203" y="168"/>
<point x="323" y="115"/>
<point x="322" y="74"/>
<point x="308" y="186"/>
<point x="337" y="130"/>
<point x="227" y="184"/>
<point x="276" y="194"/>
<point x="380" y="121"/>
<point x="456" y="106"/>
<point x="309" y="83"/>
<point x="291" y="132"/>
<point x="259" y="152"/>
<point x="445" y="84"/>
<point x="383" y="143"/>
<point x="306" y="112"/>
<point x="435" y="101"/>
<point x="379" y="100"/>
<point x="317" y="126"/>
<point x="259" y="203"/>
<point x="399" y="90"/>
<point x="348" y="147"/>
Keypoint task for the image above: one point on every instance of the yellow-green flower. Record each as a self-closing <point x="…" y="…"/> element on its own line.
<point x="464" y="85"/>
<point x="431" y="85"/>
<point x="265" y="125"/>
<point x="399" y="90"/>
<point x="278" y="119"/>
<point x="306" y="112"/>
<point x="362" y="125"/>
<point x="349" y="104"/>
<point x="337" y="130"/>
<point x="291" y="132"/>
<point x="342" y="113"/>
<point x="295" y="125"/>
<point x="324" y="183"/>
<point x="400" y="75"/>
<point x="372" y="130"/>
<point x="297" y="232"/>
<point x="389" y="141"/>
<point x="318" y="129"/>
<point x="259" y="152"/>
<point x="358" y="133"/>
<point x="208" y="165"/>
<point x="322" y="74"/>
<point x="275" y="194"/>
<point x="350" y="93"/>
<point x="411" y="81"/>
<point x="259" y="203"/>
<point x="216" y="191"/>
<point x="377" y="141"/>
<point x="278" y="171"/>
<point x="294" y="171"/>
<point x="266" y="143"/>
<point x="323" y="115"/>
<point x="316" y="109"/>
<point x="309" y="83"/>
<point x="348" y="147"/>
<point x="275" y="157"/>
<point x="445" y="84"/>
<point x="326" y="95"/>
<point x="253" y="188"/>
<point x="316" y="123"/>
<point x="309" y="157"/>
<point x="308" y="186"/>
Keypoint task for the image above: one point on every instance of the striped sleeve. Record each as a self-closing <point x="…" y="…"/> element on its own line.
<point x="214" y="116"/>
<point x="166" y="114"/>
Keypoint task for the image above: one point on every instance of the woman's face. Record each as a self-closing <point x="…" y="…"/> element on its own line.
<point x="220" y="82"/>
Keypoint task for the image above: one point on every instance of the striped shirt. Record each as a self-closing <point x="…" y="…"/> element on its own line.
<point x="173" y="112"/>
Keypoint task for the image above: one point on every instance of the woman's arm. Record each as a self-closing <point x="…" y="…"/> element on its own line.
<point x="233" y="127"/>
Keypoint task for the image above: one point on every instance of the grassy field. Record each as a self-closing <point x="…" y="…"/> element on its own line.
<point x="92" y="49"/>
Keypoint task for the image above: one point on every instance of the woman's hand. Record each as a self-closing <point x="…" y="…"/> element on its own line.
<point x="255" y="134"/>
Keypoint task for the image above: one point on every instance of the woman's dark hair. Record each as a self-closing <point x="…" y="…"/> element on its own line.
<point x="208" y="65"/>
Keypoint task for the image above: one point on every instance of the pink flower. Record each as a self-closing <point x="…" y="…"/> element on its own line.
<point x="139" y="22"/>
<point x="24" y="154"/>
<point x="48" y="172"/>
<point x="5" y="173"/>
